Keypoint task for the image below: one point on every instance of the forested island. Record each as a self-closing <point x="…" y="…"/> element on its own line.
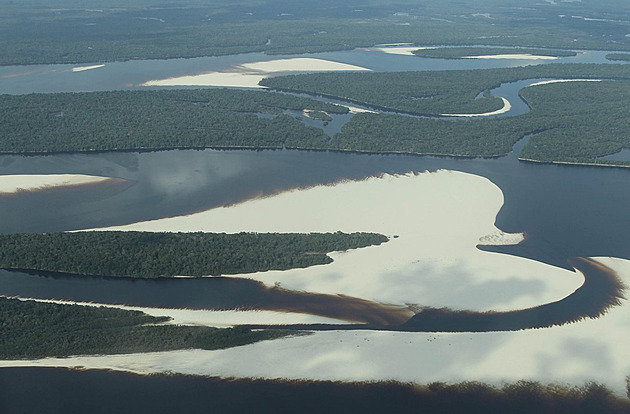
<point x="151" y="255"/>
<point x="36" y="330"/>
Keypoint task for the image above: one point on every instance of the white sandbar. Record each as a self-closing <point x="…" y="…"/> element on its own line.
<point x="506" y="108"/>
<point x="523" y="56"/>
<point x="397" y="49"/>
<point x="248" y="75"/>
<point x="547" y="82"/>
<point x="84" y="68"/>
<point x="439" y="219"/>
<point x="11" y="184"/>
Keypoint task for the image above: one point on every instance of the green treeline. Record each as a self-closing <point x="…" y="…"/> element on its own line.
<point x="31" y="329"/>
<point x="575" y="122"/>
<point x="126" y="120"/>
<point x="460" y="52"/>
<point x="150" y="255"/>
<point x="70" y="32"/>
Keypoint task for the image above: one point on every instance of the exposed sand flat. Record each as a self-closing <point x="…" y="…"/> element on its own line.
<point x="219" y="319"/>
<point x="397" y="50"/>
<point x="357" y="110"/>
<point x="591" y="350"/>
<point x="547" y="82"/>
<point x="10" y="184"/>
<point x="506" y="108"/>
<point x="522" y="56"/>
<point x="248" y="75"/>
<point x="84" y="68"/>
<point x="439" y="219"/>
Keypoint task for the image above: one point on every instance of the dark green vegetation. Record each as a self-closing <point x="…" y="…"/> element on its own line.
<point x="35" y="330"/>
<point x="574" y="122"/>
<point x="118" y="392"/>
<point x="148" y="255"/>
<point x="460" y="52"/>
<point x="619" y="56"/>
<point x="124" y="120"/>
<point x="34" y="32"/>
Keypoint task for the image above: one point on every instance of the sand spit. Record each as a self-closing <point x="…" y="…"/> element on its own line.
<point x="11" y="184"/>
<point x="520" y="56"/>
<point x="217" y="319"/>
<point x="396" y="48"/>
<point x="435" y="221"/>
<point x="84" y="68"/>
<point x="547" y="82"/>
<point x="506" y="108"/>
<point x="248" y="75"/>
<point x="591" y="350"/>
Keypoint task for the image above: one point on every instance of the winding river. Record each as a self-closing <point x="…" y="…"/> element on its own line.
<point x="567" y="212"/>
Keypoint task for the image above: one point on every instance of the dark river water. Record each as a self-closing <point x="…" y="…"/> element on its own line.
<point x="566" y="211"/>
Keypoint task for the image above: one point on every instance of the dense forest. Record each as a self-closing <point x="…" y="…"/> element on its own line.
<point x="31" y="329"/>
<point x="434" y="92"/>
<point x="575" y="122"/>
<point x="70" y="32"/>
<point x="149" y="255"/>
<point x="125" y="120"/>
<point x="461" y="52"/>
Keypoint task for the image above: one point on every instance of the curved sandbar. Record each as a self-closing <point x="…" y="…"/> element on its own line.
<point x="547" y="82"/>
<point x="248" y="75"/>
<point x="506" y="108"/>
<point x="438" y="219"/>
<point x="11" y="184"/>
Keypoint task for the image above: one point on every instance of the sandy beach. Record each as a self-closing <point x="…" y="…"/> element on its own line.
<point x="248" y="75"/>
<point x="547" y="82"/>
<point x="397" y="49"/>
<point x="84" y="68"/>
<point x="11" y="184"/>
<point x="506" y="108"/>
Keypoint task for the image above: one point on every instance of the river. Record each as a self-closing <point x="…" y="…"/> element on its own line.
<point x="566" y="211"/>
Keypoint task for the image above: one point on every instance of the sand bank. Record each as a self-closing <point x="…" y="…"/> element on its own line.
<point x="506" y="108"/>
<point x="11" y="184"/>
<point x="438" y="219"/>
<point x="547" y="82"/>
<point x="521" y="56"/>
<point x="84" y="68"/>
<point x="397" y="48"/>
<point x="591" y="350"/>
<point x="217" y="319"/>
<point x="248" y="75"/>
